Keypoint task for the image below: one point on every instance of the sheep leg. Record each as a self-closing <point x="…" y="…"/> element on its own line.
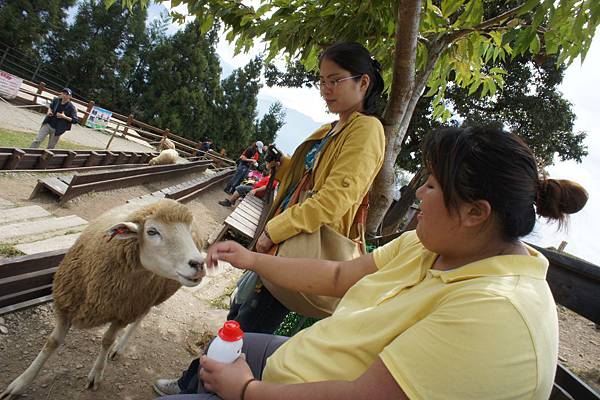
<point x="54" y="340"/>
<point x="124" y="339"/>
<point x="97" y="372"/>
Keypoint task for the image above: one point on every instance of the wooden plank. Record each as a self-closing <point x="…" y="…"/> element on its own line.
<point x="250" y="209"/>
<point x="574" y="386"/>
<point x="53" y="184"/>
<point x="27" y="264"/>
<point x="574" y="283"/>
<point x="238" y="212"/>
<point x="41" y="295"/>
<point x="244" y="226"/>
<point x="21" y="282"/>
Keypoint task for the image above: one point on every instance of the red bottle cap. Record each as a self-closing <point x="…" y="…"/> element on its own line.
<point x="231" y="331"/>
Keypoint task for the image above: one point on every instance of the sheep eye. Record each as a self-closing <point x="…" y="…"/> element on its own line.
<point x="152" y="232"/>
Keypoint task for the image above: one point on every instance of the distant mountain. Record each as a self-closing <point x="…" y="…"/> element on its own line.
<point x="297" y="125"/>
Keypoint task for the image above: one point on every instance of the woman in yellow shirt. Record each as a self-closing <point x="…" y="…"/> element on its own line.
<point x="458" y="309"/>
<point x="344" y="157"/>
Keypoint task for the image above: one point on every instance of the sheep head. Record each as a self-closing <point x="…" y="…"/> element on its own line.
<point x="165" y="240"/>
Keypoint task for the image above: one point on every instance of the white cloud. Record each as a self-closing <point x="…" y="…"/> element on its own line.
<point x="581" y="87"/>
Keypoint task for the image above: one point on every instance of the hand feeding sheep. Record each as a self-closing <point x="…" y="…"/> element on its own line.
<point x="124" y="262"/>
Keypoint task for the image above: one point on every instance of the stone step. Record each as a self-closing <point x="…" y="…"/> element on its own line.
<point x="5" y="203"/>
<point x="10" y="215"/>
<point x="46" y="227"/>
<point x="54" y="243"/>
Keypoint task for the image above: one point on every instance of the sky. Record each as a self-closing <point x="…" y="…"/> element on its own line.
<point x="581" y="86"/>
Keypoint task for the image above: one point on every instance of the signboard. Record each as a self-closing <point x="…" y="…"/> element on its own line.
<point x="98" y="118"/>
<point x="9" y="85"/>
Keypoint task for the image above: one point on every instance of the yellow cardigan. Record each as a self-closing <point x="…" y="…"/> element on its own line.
<point x="343" y="174"/>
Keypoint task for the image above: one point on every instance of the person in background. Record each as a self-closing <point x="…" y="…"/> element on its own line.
<point x="258" y="189"/>
<point x="248" y="158"/>
<point x="203" y="147"/>
<point x="457" y="309"/>
<point x="61" y="115"/>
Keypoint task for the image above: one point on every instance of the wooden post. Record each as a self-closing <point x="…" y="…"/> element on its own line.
<point x="45" y="159"/>
<point x="87" y="112"/>
<point x="40" y="89"/>
<point x="129" y="123"/>
<point x="113" y="135"/>
<point x="562" y="245"/>
<point x="14" y="159"/>
<point x="69" y="159"/>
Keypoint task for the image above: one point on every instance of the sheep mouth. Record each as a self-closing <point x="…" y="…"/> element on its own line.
<point x="190" y="281"/>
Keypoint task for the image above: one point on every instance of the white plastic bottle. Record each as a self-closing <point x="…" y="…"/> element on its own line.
<point x="227" y="346"/>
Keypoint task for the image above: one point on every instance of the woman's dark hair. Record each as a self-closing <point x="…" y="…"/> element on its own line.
<point x="356" y="59"/>
<point x="487" y="163"/>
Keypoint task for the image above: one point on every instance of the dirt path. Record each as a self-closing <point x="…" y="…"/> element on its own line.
<point x="169" y="337"/>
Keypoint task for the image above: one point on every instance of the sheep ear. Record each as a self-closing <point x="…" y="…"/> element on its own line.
<point x="123" y="230"/>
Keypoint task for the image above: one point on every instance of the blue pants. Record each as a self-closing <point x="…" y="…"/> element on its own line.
<point x="257" y="347"/>
<point x="240" y="174"/>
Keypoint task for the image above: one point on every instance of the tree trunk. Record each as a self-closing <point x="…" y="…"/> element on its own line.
<point x="401" y="207"/>
<point x="407" y="30"/>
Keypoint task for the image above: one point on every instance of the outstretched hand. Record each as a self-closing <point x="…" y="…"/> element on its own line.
<point x="232" y="252"/>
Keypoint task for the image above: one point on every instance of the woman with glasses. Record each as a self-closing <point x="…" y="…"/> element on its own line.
<point x="342" y="157"/>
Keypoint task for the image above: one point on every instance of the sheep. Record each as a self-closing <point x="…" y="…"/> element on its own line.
<point x="165" y="157"/>
<point x="165" y="143"/>
<point x="126" y="261"/>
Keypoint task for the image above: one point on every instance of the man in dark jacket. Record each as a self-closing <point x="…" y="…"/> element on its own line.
<point x="59" y="118"/>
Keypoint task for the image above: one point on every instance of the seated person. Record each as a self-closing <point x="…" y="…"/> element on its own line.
<point x="258" y="189"/>
<point x="458" y="309"/>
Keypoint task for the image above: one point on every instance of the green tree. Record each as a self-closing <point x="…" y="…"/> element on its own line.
<point x="238" y="107"/>
<point x="99" y="51"/>
<point x="266" y="128"/>
<point x="179" y="84"/>
<point x="26" y="24"/>
<point x="422" y="45"/>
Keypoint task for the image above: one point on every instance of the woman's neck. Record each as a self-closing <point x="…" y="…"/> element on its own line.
<point x="445" y="262"/>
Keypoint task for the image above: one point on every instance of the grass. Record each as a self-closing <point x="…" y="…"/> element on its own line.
<point x="222" y="302"/>
<point x="10" y="138"/>
<point x="7" y="250"/>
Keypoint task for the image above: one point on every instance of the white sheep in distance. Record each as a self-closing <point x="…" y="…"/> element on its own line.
<point x="165" y="143"/>
<point x="168" y="156"/>
<point x="126" y="261"/>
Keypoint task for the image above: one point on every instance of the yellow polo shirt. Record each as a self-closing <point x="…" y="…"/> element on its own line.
<point x="487" y="330"/>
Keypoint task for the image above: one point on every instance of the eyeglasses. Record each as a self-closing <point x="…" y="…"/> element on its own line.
<point x="332" y="83"/>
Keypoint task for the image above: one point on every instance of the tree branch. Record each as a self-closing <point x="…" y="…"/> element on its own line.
<point x="485" y="24"/>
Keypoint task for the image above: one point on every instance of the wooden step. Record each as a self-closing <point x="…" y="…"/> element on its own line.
<point x="10" y="215"/>
<point x="54" y="243"/>
<point x="20" y="230"/>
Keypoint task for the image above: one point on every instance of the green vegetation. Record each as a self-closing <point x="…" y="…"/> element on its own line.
<point x="8" y="250"/>
<point x="222" y="302"/>
<point x="9" y="138"/>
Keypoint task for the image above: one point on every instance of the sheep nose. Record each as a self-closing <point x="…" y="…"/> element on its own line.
<point x="196" y="265"/>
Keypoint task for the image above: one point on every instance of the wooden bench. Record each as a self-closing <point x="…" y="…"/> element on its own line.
<point x="244" y="219"/>
<point x="68" y="187"/>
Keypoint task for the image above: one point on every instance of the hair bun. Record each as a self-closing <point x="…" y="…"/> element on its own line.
<point x="555" y="198"/>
